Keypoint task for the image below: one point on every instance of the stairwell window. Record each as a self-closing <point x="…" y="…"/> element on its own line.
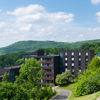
<point x="65" y="53"/>
<point x="65" y="59"/>
<point x="66" y="64"/>
<point x="72" y="53"/>
<point x="87" y="54"/>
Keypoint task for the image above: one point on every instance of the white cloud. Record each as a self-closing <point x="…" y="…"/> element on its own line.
<point x="2" y="24"/>
<point x="95" y="1"/>
<point x="27" y="10"/>
<point x="34" y="22"/>
<point x="35" y="13"/>
<point x="98" y="16"/>
<point x="0" y="10"/>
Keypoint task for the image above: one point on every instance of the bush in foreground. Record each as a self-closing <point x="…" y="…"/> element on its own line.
<point x="65" y="78"/>
<point x="86" y="87"/>
<point x="89" y="82"/>
<point x="10" y="91"/>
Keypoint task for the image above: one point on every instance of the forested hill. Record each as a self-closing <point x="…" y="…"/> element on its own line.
<point x="30" y="46"/>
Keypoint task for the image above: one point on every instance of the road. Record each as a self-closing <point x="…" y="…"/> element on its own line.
<point x="62" y="94"/>
<point x="98" y="98"/>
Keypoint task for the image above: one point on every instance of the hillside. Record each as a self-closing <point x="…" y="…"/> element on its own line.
<point x="29" y="46"/>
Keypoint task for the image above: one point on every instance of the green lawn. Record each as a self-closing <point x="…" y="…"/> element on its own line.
<point x="87" y="97"/>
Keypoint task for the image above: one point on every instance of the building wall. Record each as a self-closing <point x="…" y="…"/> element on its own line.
<point x="75" y="60"/>
<point x="50" y="64"/>
<point x="12" y="71"/>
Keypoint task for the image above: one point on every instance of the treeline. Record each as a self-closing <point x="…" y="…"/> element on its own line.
<point x="91" y="46"/>
<point x="14" y="59"/>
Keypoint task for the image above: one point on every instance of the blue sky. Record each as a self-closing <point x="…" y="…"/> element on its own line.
<point x="58" y="20"/>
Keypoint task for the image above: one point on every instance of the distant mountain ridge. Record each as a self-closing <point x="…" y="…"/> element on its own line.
<point x="29" y="46"/>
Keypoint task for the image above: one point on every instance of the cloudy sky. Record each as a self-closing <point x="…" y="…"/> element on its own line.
<point x="55" y="20"/>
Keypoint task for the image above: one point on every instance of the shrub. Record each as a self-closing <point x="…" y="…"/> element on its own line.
<point x="10" y="91"/>
<point x="65" y="78"/>
<point x="43" y="93"/>
<point x="88" y="86"/>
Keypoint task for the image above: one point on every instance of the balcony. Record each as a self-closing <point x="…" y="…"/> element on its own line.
<point x="44" y="67"/>
<point x="48" y="62"/>
<point x="49" y="73"/>
<point x="48" y="78"/>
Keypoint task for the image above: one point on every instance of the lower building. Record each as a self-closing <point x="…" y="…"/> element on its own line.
<point x="12" y="71"/>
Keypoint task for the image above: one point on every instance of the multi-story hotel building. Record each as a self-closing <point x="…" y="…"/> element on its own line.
<point x="75" y="60"/>
<point x="49" y="63"/>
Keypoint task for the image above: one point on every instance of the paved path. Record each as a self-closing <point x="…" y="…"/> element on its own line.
<point x="98" y="98"/>
<point x="62" y="94"/>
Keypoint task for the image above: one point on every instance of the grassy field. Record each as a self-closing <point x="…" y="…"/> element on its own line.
<point x="93" y="96"/>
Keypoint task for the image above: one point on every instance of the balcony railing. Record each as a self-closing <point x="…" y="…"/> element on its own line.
<point x="48" y="62"/>
<point x="48" y="78"/>
<point x="49" y="73"/>
<point x="46" y="67"/>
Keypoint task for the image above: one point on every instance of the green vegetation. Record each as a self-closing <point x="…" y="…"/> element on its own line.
<point x="14" y="53"/>
<point x="30" y="46"/>
<point x="91" y="46"/>
<point x="65" y="78"/>
<point x="30" y="72"/>
<point x="71" y="87"/>
<point x="5" y="77"/>
<point x="87" y="86"/>
<point x="12" y="59"/>
<point x="90" y="81"/>
<point x="26" y="86"/>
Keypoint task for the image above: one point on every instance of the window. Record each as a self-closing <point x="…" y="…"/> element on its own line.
<point x="52" y="70"/>
<point x="87" y="59"/>
<point x="87" y="54"/>
<point x="79" y="53"/>
<point x="41" y="59"/>
<point x="41" y="64"/>
<point x="79" y="59"/>
<point x="72" y="53"/>
<point x="66" y="64"/>
<point x="80" y="70"/>
<point x="41" y="81"/>
<point x="73" y="70"/>
<point x="72" y="59"/>
<point x="66" y="69"/>
<point x="25" y="59"/>
<point x="65" y="53"/>
<point x="72" y="64"/>
<point x="66" y="59"/>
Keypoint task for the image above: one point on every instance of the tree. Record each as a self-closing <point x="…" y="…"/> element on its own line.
<point x="65" y="78"/>
<point x="66" y="48"/>
<point x="94" y="64"/>
<point x="10" y="91"/>
<point x="19" y="61"/>
<point x="6" y="77"/>
<point x="89" y="81"/>
<point x="30" y="72"/>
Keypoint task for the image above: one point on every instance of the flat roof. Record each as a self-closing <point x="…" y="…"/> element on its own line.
<point x="42" y="56"/>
